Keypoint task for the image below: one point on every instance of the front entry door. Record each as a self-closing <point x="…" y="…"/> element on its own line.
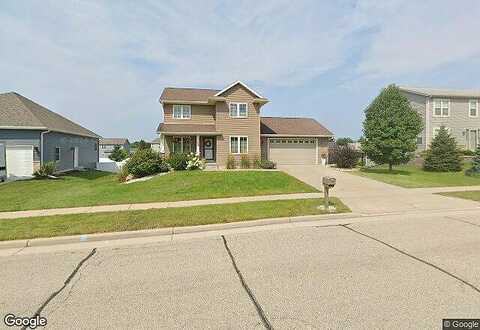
<point x="208" y="148"/>
<point x="472" y="139"/>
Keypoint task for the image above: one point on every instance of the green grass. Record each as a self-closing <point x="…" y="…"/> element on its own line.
<point x="101" y="188"/>
<point x="76" y="224"/>
<point x="414" y="177"/>
<point x="471" y="195"/>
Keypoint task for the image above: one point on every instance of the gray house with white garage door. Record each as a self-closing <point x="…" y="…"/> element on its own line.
<point x="31" y="135"/>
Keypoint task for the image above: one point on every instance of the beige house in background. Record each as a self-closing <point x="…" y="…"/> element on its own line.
<point x="456" y="110"/>
<point x="217" y="123"/>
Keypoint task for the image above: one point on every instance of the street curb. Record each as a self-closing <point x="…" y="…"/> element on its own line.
<point x="168" y="231"/>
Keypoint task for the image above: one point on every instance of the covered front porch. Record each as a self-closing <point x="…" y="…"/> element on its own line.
<point x="202" y="145"/>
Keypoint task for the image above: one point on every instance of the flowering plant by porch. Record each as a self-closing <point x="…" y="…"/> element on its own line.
<point x="195" y="162"/>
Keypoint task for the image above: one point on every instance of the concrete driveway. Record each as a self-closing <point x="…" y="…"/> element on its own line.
<point x="407" y="272"/>
<point x="367" y="196"/>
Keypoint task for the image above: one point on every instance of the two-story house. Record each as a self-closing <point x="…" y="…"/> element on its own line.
<point x="456" y="110"/>
<point x="217" y="123"/>
<point x="108" y="144"/>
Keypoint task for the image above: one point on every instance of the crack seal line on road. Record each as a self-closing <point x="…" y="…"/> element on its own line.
<point x="67" y="281"/>
<point x="462" y="220"/>
<point x="415" y="258"/>
<point x="259" y="308"/>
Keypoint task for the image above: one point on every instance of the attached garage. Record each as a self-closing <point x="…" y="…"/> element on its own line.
<point x="293" y="151"/>
<point x="294" y="141"/>
<point x="19" y="161"/>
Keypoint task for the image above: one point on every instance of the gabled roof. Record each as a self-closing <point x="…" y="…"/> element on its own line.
<point x="288" y="126"/>
<point x="202" y="95"/>
<point x="115" y="141"/>
<point x="238" y="82"/>
<point x="19" y="112"/>
<point x="441" y="92"/>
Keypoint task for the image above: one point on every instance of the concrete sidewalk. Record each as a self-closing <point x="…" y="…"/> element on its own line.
<point x="147" y="206"/>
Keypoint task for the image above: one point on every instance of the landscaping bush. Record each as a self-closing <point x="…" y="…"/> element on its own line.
<point x="45" y="170"/>
<point x="467" y="152"/>
<point x="443" y="155"/>
<point x="145" y="162"/>
<point x="118" y="154"/>
<point x="231" y="164"/>
<point x="178" y="161"/>
<point x="244" y="161"/>
<point x="344" y="156"/>
<point x="123" y="174"/>
<point x="268" y="164"/>
<point x="256" y="162"/>
<point x="194" y="162"/>
<point x="475" y="169"/>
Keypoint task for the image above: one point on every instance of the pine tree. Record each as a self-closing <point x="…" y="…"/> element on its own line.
<point x="475" y="169"/>
<point x="390" y="128"/>
<point x="443" y="155"/>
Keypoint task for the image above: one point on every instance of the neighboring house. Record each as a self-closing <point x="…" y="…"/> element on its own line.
<point x="31" y="135"/>
<point x="108" y="144"/>
<point x="219" y="123"/>
<point x="456" y="110"/>
<point x="156" y="145"/>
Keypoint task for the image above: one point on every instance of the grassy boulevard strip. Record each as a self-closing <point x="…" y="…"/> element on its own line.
<point x="76" y="224"/>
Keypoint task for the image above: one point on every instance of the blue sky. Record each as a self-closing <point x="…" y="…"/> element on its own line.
<point x="105" y="63"/>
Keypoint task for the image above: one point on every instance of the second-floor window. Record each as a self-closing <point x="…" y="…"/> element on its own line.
<point x="182" y="111"/>
<point x="473" y="108"/>
<point x="441" y="108"/>
<point x="238" y="110"/>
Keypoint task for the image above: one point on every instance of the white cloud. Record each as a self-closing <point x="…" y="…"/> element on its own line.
<point x="417" y="36"/>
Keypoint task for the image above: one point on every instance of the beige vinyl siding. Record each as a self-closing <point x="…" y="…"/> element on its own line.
<point x="201" y="114"/>
<point x="249" y="126"/>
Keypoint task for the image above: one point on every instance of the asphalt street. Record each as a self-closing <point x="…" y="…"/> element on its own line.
<point x="404" y="272"/>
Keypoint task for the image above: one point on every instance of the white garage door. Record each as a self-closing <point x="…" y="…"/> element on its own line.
<point x="293" y="151"/>
<point x="19" y="161"/>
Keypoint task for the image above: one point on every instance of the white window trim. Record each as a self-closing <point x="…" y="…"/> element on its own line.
<point x="238" y="145"/>
<point x="449" y="130"/>
<point x="441" y="107"/>
<point x="59" y="154"/>
<point x="238" y="110"/>
<point x="182" y="111"/>
<point x="469" y="108"/>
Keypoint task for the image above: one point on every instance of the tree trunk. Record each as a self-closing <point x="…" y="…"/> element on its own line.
<point x="390" y="167"/>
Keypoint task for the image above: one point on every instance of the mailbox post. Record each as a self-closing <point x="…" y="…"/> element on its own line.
<point x="328" y="182"/>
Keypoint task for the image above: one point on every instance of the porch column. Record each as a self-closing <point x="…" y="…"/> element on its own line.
<point x="198" y="145"/>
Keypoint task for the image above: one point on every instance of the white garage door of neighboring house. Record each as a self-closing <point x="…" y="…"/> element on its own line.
<point x="19" y="161"/>
<point x="293" y="151"/>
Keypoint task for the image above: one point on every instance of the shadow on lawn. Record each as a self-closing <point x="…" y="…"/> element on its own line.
<point x="87" y="175"/>
<point x="385" y="171"/>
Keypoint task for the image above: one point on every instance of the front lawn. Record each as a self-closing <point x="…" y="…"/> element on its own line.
<point x="75" y="224"/>
<point x="471" y="195"/>
<point x="100" y="188"/>
<point x="413" y="177"/>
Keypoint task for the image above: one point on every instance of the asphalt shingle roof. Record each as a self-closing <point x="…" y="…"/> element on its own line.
<point x="187" y="94"/>
<point x="115" y="141"/>
<point x="19" y="111"/>
<point x="442" y="92"/>
<point x="292" y="126"/>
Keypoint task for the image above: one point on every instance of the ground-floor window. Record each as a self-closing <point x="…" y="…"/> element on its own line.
<point x="57" y="154"/>
<point x="239" y="144"/>
<point x="183" y="144"/>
